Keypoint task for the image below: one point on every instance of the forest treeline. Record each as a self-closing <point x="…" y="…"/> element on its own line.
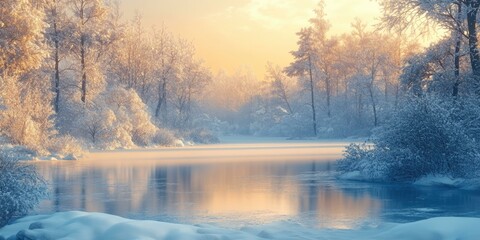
<point x="74" y="72"/>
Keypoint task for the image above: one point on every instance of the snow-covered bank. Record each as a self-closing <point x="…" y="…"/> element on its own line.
<point x="427" y="181"/>
<point x="445" y="181"/>
<point x="85" y="226"/>
<point x="226" y="142"/>
<point x="64" y="151"/>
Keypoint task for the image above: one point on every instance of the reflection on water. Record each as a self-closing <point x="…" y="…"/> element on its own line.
<point x="240" y="192"/>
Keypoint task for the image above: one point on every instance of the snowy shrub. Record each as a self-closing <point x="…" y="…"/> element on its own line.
<point x="95" y="127"/>
<point x="132" y="113"/>
<point x="21" y="189"/>
<point x="278" y="122"/>
<point x="25" y="92"/>
<point x="202" y="135"/>
<point x="15" y="152"/>
<point x="295" y="125"/>
<point x="164" y="137"/>
<point x="118" y="120"/>
<point x="210" y="122"/>
<point x="358" y="157"/>
<point x="466" y="111"/>
<point x="65" y="145"/>
<point x="423" y="138"/>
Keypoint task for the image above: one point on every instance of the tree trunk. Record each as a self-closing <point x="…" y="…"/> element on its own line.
<point x="371" y="89"/>
<point x="57" y="61"/>
<point x="328" y="89"/>
<point x="57" y="78"/>
<point x="472" y="6"/>
<point x="385" y="93"/>
<point x="84" y="73"/>
<point x="82" y="57"/>
<point x="159" y="103"/>
<point x="314" y="114"/>
<point x="458" y="45"/>
<point x="374" y="106"/>
<point x="188" y="110"/>
<point x="360" y="107"/>
<point x="162" y="95"/>
<point x="284" y="97"/>
<point x="289" y="107"/>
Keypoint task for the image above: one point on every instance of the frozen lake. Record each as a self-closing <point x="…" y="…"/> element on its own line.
<point x="236" y="184"/>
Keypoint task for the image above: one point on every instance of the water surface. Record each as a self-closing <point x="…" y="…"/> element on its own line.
<point x="236" y="184"/>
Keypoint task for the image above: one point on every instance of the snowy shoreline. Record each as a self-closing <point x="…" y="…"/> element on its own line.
<point x="427" y="181"/>
<point x="86" y="226"/>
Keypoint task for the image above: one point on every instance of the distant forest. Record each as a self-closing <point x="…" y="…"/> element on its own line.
<point x="75" y="75"/>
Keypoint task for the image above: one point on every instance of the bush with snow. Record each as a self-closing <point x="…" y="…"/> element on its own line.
<point x="212" y="123"/>
<point x="21" y="189"/>
<point x="17" y="152"/>
<point x="119" y="119"/>
<point x="65" y="145"/>
<point x="164" y="137"/>
<point x="277" y="122"/>
<point x="424" y="138"/>
<point x="202" y="135"/>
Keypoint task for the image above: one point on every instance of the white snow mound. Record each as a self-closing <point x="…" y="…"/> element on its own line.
<point x="97" y="226"/>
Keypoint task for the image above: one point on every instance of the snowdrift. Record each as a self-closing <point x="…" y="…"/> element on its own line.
<point x="96" y="226"/>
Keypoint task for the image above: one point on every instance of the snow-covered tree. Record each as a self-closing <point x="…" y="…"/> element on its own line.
<point x="314" y="61"/>
<point x="56" y="34"/>
<point x="25" y="91"/>
<point x="326" y="48"/>
<point x="458" y="16"/>
<point x="370" y="57"/>
<point x="133" y="63"/>
<point x="191" y="80"/>
<point x="21" y="42"/>
<point x="430" y="70"/>
<point x="304" y="64"/>
<point x="92" y="37"/>
<point x="166" y="67"/>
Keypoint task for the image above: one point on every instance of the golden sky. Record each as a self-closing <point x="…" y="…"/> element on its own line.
<point x="229" y="34"/>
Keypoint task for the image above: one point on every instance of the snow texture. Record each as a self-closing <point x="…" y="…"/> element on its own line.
<point x="82" y="225"/>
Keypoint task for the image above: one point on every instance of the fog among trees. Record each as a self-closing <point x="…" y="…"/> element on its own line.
<point x="75" y="70"/>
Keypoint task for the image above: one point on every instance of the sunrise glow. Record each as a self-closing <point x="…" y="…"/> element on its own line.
<point x="230" y="34"/>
